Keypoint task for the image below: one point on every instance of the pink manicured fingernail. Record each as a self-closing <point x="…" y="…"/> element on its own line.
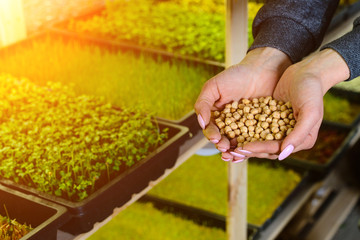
<point x="286" y="152"/>
<point x="239" y="160"/>
<point x="213" y="140"/>
<point x="201" y="121"/>
<point x="244" y="151"/>
<point x="222" y="149"/>
<point x="225" y="159"/>
<point x="237" y="155"/>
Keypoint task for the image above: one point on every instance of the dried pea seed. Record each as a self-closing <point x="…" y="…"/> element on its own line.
<point x="220" y="124"/>
<point x="231" y="134"/>
<point x="245" y="134"/>
<point x="245" y="101"/>
<point x="240" y="139"/>
<point x="258" y="129"/>
<point x="264" y="125"/>
<point x="228" y="121"/>
<point x="275" y="130"/>
<point x="236" y="115"/>
<point x="292" y="122"/>
<point x="276" y="114"/>
<point x="240" y="124"/>
<point x="279" y="135"/>
<point x="269" y="137"/>
<point x="228" y="129"/>
<point x="233" y="125"/>
<point x="226" y="110"/>
<point x="235" y="104"/>
<point x="244" y="129"/>
<point x="250" y="116"/>
<point x="251" y="128"/>
<point x="269" y="119"/>
<point x="281" y="122"/>
<point x="273" y="108"/>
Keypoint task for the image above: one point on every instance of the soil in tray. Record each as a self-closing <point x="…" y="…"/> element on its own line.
<point x="339" y="109"/>
<point x="67" y="145"/>
<point x="143" y="221"/>
<point x="167" y="88"/>
<point x="202" y="182"/>
<point x="328" y="141"/>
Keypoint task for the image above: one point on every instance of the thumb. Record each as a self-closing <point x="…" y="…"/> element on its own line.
<point x="305" y="132"/>
<point x="205" y="102"/>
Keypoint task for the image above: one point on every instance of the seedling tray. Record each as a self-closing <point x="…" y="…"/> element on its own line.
<point x="333" y="152"/>
<point x="118" y="191"/>
<point x="217" y="220"/>
<point x="197" y="215"/>
<point x="44" y="217"/>
<point x="189" y="119"/>
<point x="61" y="27"/>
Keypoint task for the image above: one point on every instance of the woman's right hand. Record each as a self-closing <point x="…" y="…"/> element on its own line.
<point x="255" y="76"/>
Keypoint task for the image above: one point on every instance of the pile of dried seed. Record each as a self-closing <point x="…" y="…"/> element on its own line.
<point x="258" y="119"/>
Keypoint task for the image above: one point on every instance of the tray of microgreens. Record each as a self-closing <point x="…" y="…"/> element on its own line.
<point x="196" y="32"/>
<point x="271" y="186"/>
<point x="167" y="87"/>
<point x="79" y="150"/>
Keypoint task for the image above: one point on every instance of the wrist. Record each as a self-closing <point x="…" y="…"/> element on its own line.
<point x="329" y="66"/>
<point x="269" y="58"/>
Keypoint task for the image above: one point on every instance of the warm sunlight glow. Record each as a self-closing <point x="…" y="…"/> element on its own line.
<point x="12" y="24"/>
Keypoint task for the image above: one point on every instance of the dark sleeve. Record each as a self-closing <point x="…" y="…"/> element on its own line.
<point x="296" y="27"/>
<point x="348" y="46"/>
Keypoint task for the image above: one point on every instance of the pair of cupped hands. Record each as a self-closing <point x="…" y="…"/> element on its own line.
<point x="269" y="72"/>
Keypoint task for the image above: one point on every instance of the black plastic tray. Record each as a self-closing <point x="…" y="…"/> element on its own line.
<point x="188" y="120"/>
<point x="319" y="170"/>
<point x="217" y="220"/>
<point x="118" y="191"/>
<point x="44" y="217"/>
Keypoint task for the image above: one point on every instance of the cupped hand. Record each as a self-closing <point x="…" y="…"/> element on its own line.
<point x="304" y="85"/>
<point x="255" y="76"/>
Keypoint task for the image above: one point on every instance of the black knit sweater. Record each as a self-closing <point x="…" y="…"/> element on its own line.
<point x="297" y="28"/>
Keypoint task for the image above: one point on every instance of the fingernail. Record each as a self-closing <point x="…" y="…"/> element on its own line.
<point x="213" y="140"/>
<point x="239" y="160"/>
<point x="201" y="121"/>
<point x="237" y="155"/>
<point x="244" y="151"/>
<point x="225" y="159"/>
<point x="222" y="149"/>
<point x="286" y="152"/>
